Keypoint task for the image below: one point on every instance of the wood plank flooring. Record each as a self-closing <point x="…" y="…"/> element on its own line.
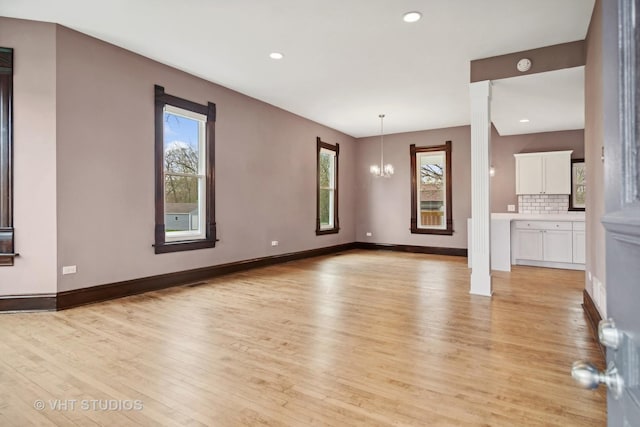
<point x="359" y="338"/>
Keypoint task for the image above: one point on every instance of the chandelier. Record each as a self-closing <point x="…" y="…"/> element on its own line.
<point x="381" y="170"/>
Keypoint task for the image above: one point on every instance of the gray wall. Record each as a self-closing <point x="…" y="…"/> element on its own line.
<point x="265" y="169"/>
<point x="543" y="59"/>
<point x="85" y="157"/>
<point x="384" y="205"/>
<point x="594" y="137"/>
<point x="503" y="184"/>
<point x="34" y="179"/>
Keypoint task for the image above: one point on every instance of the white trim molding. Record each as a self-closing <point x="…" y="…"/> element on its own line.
<point x="480" y="93"/>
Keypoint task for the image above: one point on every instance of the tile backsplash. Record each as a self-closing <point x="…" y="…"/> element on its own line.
<point x="543" y="203"/>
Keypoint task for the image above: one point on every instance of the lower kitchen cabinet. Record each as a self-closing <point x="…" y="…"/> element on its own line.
<point x="579" y="243"/>
<point x="548" y="244"/>
<point x="529" y="245"/>
<point x="557" y="246"/>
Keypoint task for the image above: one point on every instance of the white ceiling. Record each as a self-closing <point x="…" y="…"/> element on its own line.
<point x="346" y="61"/>
<point x="551" y="101"/>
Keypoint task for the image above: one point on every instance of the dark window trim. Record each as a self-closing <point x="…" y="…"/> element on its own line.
<point x="7" y="232"/>
<point x="571" y="207"/>
<point x="336" y="222"/>
<point x="161" y="246"/>
<point x="414" y="190"/>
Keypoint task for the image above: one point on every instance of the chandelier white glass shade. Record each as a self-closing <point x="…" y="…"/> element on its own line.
<point x="381" y="170"/>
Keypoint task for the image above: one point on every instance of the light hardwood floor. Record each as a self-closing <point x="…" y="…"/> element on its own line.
<point x="359" y="338"/>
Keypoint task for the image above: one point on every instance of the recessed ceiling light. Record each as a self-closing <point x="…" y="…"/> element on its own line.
<point x="411" y="16"/>
<point x="524" y="120"/>
<point x="276" y="55"/>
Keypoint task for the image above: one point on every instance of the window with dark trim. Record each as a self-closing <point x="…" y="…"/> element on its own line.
<point x="431" y="210"/>
<point x="184" y="174"/>
<point x="7" y="237"/>
<point x="327" y="188"/>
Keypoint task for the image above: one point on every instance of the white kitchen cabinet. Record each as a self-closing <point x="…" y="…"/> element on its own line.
<point x="545" y="243"/>
<point x="557" y="172"/>
<point x="557" y="246"/>
<point x="543" y="173"/>
<point x="529" y="245"/>
<point x="579" y="243"/>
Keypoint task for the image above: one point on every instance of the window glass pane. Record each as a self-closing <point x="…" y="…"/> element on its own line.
<point x="181" y="143"/>
<point x="182" y="202"/>
<point x="326" y="170"/>
<point x="184" y="172"/>
<point x="326" y="208"/>
<point x="432" y="191"/>
<point x="580" y="183"/>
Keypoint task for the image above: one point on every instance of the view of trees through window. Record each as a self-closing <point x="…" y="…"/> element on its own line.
<point x="182" y="178"/>
<point x="577" y="199"/>
<point x="581" y="185"/>
<point x="326" y="189"/>
<point x="432" y="189"/>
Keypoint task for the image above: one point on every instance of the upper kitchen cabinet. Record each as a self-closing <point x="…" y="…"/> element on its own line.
<point x="543" y="173"/>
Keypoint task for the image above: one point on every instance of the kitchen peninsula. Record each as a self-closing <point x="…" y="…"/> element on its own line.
<point x="542" y="240"/>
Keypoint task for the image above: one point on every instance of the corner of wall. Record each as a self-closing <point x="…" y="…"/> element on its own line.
<point x="34" y="121"/>
<point x="594" y="135"/>
<point x="58" y="30"/>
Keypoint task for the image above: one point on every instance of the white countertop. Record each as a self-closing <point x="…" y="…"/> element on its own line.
<point x="569" y="216"/>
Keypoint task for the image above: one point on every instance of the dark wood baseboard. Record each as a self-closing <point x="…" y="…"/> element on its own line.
<point x="433" y="250"/>
<point x="593" y="316"/>
<point x="77" y="297"/>
<point x="30" y="303"/>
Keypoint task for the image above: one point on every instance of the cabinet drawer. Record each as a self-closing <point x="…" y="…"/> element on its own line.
<point x="578" y="226"/>
<point x="543" y="225"/>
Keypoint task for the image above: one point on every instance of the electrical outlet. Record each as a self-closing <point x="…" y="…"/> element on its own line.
<point x="511" y="208"/>
<point x="369" y="234"/>
<point x="69" y="269"/>
<point x="274" y="243"/>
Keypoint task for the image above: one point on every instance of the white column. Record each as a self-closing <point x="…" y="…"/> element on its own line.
<point x="480" y="189"/>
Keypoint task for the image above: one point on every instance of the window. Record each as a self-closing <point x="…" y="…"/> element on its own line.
<point x="577" y="199"/>
<point x="7" y="253"/>
<point x="184" y="156"/>
<point x="327" y="188"/>
<point x="431" y="211"/>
